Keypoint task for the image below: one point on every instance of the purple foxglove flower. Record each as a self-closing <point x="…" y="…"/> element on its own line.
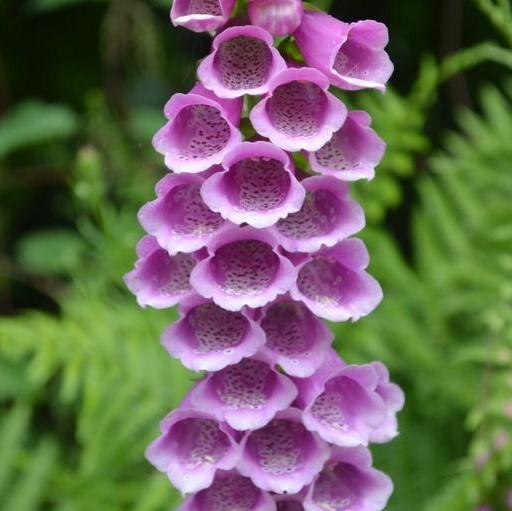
<point x="283" y="456"/>
<point x="348" y="482"/>
<point x="178" y="218"/>
<point x="351" y="55"/>
<point x="247" y="395"/>
<point x="290" y="502"/>
<point x="208" y="338"/>
<point x="243" y="269"/>
<point x="258" y="186"/>
<point x="229" y="492"/>
<point x="353" y="152"/>
<point x="158" y="279"/>
<point x="299" y="111"/>
<point x="346" y="408"/>
<point x="394" y="399"/>
<point x="279" y="17"/>
<point x="201" y="15"/>
<point x="242" y="62"/>
<point x="201" y="130"/>
<point x="334" y="285"/>
<point x="327" y="216"/>
<point x="296" y="339"/>
<point x="191" y="448"/>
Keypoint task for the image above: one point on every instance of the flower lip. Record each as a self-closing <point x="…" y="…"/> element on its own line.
<point x="258" y="186"/>
<point x="208" y="338"/>
<point x="243" y="61"/>
<point x="243" y="269"/>
<point x="191" y="448"/>
<point x="299" y="111"/>
<point x="283" y="457"/>
<point x="327" y="216"/>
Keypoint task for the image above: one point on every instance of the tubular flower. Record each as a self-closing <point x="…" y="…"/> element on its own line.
<point x="256" y="250"/>
<point x="201" y="15"/>
<point x="258" y="186"/>
<point x="351" y="55"/>
<point x="242" y="62"/>
<point x="279" y="17"/>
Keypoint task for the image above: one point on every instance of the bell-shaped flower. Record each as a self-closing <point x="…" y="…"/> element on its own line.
<point x="243" y="61"/>
<point x="230" y="491"/>
<point x="208" y="338"/>
<point x="279" y="17"/>
<point x="353" y="152"/>
<point x="158" y="279"/>
<point x="201" y="15"/>
<point x="349" y="482"/>
<point x="243" y="269"/>
<point x="201" y="130"/>
<point x="178" y="218"/>
<point x="328" y="216"/>
<point x="299" y="112"/>
<point x="258" y="186"/>
<point x="334" y="285"/>
<point x="296" y="339"/>
<point x="192" y="446"/>
<point x="283" y="456"/>
<point x="246" y="395"/>
<point x="351" y="55"/>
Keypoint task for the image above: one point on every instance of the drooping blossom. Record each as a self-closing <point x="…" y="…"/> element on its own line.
<point x="230" y="491"/>
<point x="192" y="446"/>
<point x="351" y="55"/>
<point x="209" y="338"/>
<point x="158" y="279"/>
<point x="299" y="111"/>
<point x="348" y="482"/>
<point x="201" y="15"/>
<point x="178" y="218"/>
<point x="243" y="61"/>
<point x="257" y="187"/>
<point x="334" y="285"/>
<point x="353" y="152"/>
<point x="296" y="339"/>
<point x="246" y="395"/>
<point x="201" y="130"/>
<point x="283" y="456"/>
<point x="279" y="17"/>
<point x="243" y="269"/>
<point x="328" y="216"/>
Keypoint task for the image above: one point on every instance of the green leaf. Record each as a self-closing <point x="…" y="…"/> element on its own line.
<point x="34" y="122"/>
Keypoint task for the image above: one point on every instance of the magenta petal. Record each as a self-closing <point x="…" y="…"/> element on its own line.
<point x="244" y="269"/>
<point x="258" y="186"/>
<point x="243" y="61"/>
<point x="334" y="286"/>
<point x="230" y="491"/>
<point x="353" y="152"/>
<point x="299" y="112"/>
<point x="247" y="395"/>
<point x="201" y="15"/>
<point x="279" y="17"/>
<point x="327" y="217"/>
<point x="178" y="218"/>
<point x="283" y="456"/>
<point x="208" y="338"/>
<point x="295" y="339"/>
<point x="158" y="279"/>
<point x="191" y="448"/>
<point x="349" y="482"/>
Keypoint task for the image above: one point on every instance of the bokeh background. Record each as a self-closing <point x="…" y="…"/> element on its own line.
<point x="83" y="379"/>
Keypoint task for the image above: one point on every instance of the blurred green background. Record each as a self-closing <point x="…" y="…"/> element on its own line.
<point x="83" y="379"/>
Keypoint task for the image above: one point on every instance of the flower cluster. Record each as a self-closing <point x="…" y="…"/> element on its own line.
<point x="257" y="253"/>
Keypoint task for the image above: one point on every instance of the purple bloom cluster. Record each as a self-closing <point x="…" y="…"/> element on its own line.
<point x="257" y="253"/>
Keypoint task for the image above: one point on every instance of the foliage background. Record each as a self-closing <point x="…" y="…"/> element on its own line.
<point x="83" y="380"/>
